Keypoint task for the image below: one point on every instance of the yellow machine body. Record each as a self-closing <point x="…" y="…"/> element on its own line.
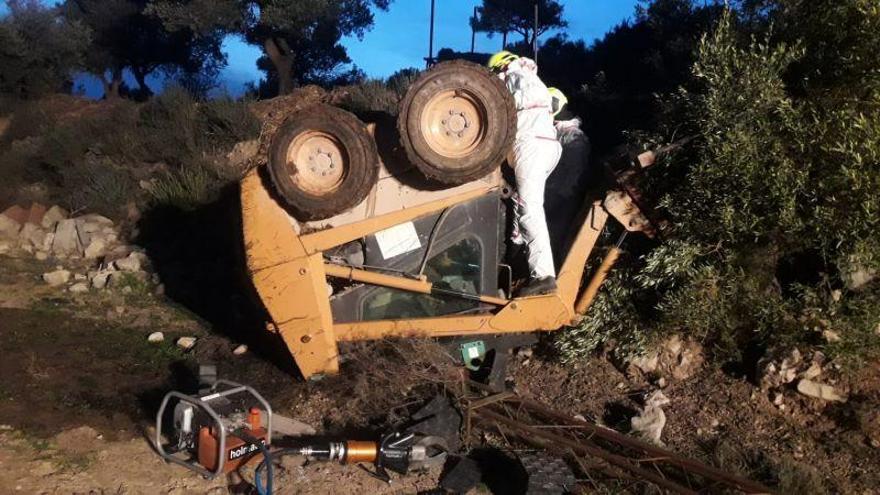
<point x="285" y="259"/>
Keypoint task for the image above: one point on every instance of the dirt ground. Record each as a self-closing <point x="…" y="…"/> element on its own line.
<point x="807" y="446"/>
<point x="80" y="385"/>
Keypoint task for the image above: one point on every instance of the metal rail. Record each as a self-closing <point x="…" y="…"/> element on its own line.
<point x="620" y="455"/>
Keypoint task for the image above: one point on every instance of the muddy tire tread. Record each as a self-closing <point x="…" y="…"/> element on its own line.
<point x="432" y="167"/>
<point x="362" y="154"/>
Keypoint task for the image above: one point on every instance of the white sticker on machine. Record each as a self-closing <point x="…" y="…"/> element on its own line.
<point x="398" y="240"/>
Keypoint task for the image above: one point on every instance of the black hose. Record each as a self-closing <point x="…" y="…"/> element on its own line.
<point x="436" y="230"/>
<point x="265" y="464"/>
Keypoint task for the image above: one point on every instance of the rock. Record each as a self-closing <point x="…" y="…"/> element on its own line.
<point x="94" y="218"/>
<point x="186" y="343"/>
<point x="155" y="337"/>
<point x="131" y="263"/>
<point x="831" y="336"/>
<point x="95" y="249"/>
<point x="239" y="350"/>
<point x="47" y="242"/>
<point x="66" y="240"/>
<point x="646" y="363"/>
<point x="53" y="215"/>
<point x="79" y="287"/>
<point x="777" y="399"/>
<point x="775" y="373"/>
<point x="16" y="213"/>
<point x="80" y="276"/>
<point x="650" y="422"/>
<point x="525" y="352"/>
<point x="682" y="358"/>
<point x="5" y="246"/>
<point x="100" y="278"/>
<point x="32" y="234"/>
<point x="27" y="248"/>
<point x="160" y="290"/>
<point x="820" y="391"/>
<point x="116" y="253"/>
<point x="674" y="358"/>
<point x="41" y="256"/>
<point x="90" y="227"/>
<point x="813" y="371"/>
<point x="9" y="227"/>
<point x="284" y="426"/>
<point x="56" y="278"/>
<point x="860" y="278"/>
<point x="36" y="213"/>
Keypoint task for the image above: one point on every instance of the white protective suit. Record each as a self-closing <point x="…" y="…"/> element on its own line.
<point x="536" y="152"/>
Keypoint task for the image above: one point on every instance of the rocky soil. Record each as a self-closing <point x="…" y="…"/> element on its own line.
<point x="90" y="342"/>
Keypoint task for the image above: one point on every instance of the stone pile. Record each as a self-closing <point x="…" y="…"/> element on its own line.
<point x="674" y="358"/>
<point x="91" y="242"/>
<point x="811" y="375"/>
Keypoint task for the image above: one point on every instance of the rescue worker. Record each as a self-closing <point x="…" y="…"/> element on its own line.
<point x="535" y="153"/>
<point x="558" y="101"/>
<point x="567" y="184"/>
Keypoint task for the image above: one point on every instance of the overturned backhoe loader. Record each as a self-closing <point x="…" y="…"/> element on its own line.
<point x="343" y="244"/>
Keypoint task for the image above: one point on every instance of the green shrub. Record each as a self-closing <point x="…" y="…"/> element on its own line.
<point x="772" y="208"/>
<point x="400" y="81"/>
<point x="98" y="186"/>
<point x="370" y="96"/>
<point x="187" y="187"/>
<point x="94" y="161"/>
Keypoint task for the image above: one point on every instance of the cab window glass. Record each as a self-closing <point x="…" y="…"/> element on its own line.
<point x="456" y="268"/>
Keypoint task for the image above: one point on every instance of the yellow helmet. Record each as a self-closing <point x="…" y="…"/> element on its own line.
<point x="558" y="100"/>
<point x="500" y="60"/>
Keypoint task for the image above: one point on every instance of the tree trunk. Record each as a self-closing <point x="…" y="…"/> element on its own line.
<point x="504" y="40"/>
<point x="282" y="59"/>
<point x="111" y="87"/>
<point x="140" y="75"/>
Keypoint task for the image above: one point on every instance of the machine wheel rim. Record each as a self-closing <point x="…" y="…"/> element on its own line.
<point x="453" y="123"/>
<point x="317" y="162"/>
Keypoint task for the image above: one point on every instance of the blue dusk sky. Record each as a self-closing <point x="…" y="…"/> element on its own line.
<point x="399" y="38"/>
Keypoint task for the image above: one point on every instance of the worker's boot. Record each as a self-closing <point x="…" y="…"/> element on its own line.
<point x="538" y="286"/>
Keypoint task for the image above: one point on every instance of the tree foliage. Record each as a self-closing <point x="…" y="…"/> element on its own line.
<point x="300" y="38"/>
<point x="775" y="207"/>
<point x="125" y="36"/>
<point x="39" y="49"/>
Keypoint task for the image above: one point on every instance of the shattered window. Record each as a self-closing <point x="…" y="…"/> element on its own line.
<point x="456" y="268"/>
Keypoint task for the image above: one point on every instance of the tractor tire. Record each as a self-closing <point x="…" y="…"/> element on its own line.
<point x="457" y="122"/>
<point x="322" y="162"/>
